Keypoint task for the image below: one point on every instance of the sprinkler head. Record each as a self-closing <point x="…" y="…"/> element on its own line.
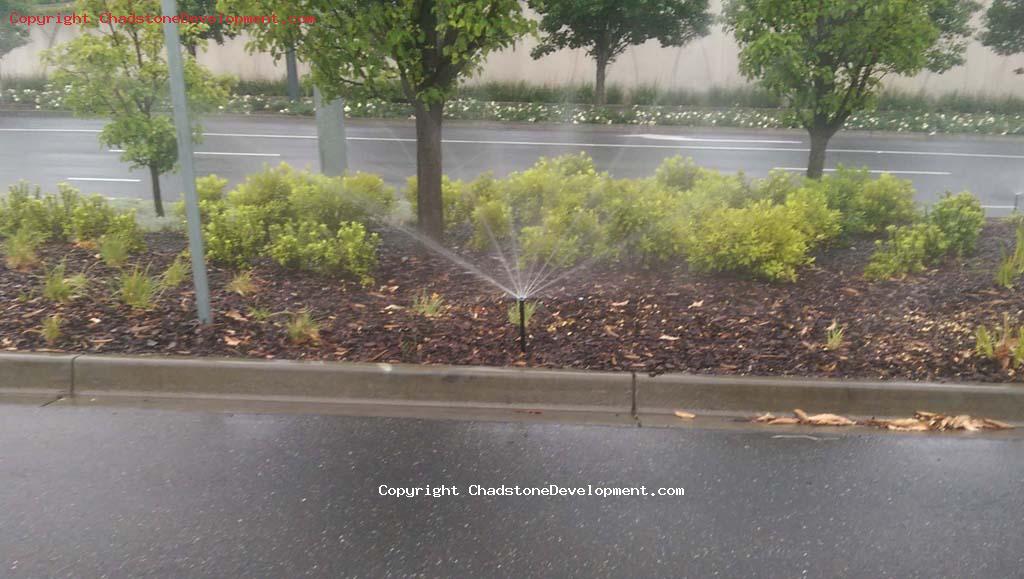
<point x="522" y="324"/>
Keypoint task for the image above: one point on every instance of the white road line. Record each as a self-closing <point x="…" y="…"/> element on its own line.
<point x="586" y="145"/>
<point x="998" y="207"/>
<point x="104" y="179"/>
<point x="876" y="171"/>
<point x="220" y="153"/>
<point x="655" y="137"/>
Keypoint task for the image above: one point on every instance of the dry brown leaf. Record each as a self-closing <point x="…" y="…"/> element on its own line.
<point x="684" y="414"/>
<point x="235" y="315"/>
<point x="766" y="417"/>
<point x="232" y="341"/>
<point x="620" y="304"/>
<point x="784" y="420"/>
<point x="829" y="420"/>
<point x="696" y="304"/>
<point x="668" y="338"/>
<point x="800" y="414"/>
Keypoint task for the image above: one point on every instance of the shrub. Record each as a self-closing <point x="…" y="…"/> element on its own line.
<point x="52" y="329"/>
<point x="312" y="246"/>
<point x="762" y="240"/>
<point x="236" y="235"/>
<point x="455" y="210"/>
<point x="302" y="329"/>
<point x="1007" y="350"/>
<point x="209" y="193"/>
<point x="428" y="306"/>
<point x="20" y="249"/>
<point x="880" y="203"/>
<point x="812" y="215"/>
<point x="60" y="289"/>
<point x="46" y="216"/>
<point x="242" y="283"/>
<point x="90" y="219"/>
<point x="909" y="249"/>
<point x="961" y="219"/>
<point x="114" y="249"/>
<point x="678" y="173"/>
<point x="138" y="289"/>
<point x="641" y="222"/>
<point x="778" y="185"/>
<point x="177" y="272"/>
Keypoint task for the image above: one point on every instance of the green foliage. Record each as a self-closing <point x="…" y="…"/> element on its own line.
<point x="120" y="72"/>
<point x="762" y="240"/>
<point x="868" y="206"/>
<point x="1011" y="266"/>
<point x="138" y="289"/>
<point x="20" y="249"/>
<point x="529" y="308"/>
<point x="236" y="235"/>
<point x="678" y="173"/>
<point x="302" y="329"/>
<point x="909" y="249"/>
<point x="961" y="218"/>
<point x="313" y="247"/>
<point x="61" y="289"/>
<point x="209" y="192"/>
<point x="1004" y="23"/>
<point x="835" y="336"/>
<point x="364" y="46"/>
<point x="64" y="216"/>
<point x="51" y="331"/>
<point x="428" y="306"/>
<point x="115" y="249"/>
<point x="12" y="35"/>
<point x="606" y="28"/>
<point x="177" y="272"/>
<point x="242" y="283"/>
<point x="1007" y="350"/>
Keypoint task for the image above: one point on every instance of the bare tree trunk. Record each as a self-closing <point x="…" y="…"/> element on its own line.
<point x="600" y="95"/>
<point x="429" y="206"/>
<point x="819" y="144"/>
<point x="292" y="68"/>
<point x="191" y="49"/>
<point x="158" y="202"/>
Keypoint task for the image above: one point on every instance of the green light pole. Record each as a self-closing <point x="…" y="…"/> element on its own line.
<point x="176" y="73"/>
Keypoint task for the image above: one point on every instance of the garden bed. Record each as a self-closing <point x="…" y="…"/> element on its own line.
<point x="663" y="320"/>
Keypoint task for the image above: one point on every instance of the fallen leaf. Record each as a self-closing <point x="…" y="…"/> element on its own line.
<point x="668" y="338"/>
<point x="829" y="420"/>
<point x="232" y="341"/>
<point x="696" y="304"/>
<point x="235" y="315"/>
<point x="683" y="414"/>
<point x="620" y="304"/>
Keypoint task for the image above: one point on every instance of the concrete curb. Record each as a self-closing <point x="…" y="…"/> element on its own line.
<point x="352" y="382"/>
<point x="35" y="374"/>
<point x="480" y="387"/>
<point x="662" y="394"/>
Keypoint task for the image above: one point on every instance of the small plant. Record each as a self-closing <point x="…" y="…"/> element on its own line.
<point x="115" y="249"/>
<point x="1007" y="273"/>
<point x="258" y="314"/>
<point x="1008" y="349"/>
<point x="138" y="289"/>
<point x="528" y="309"/>
<point x="242" y="283"/>
<point x="428" y="306"/>
<point x="302" y="329"/>
<point x="20" y="250"/>
<point x="835" y="336"/>
<point x="60" y="289"/>
<point x="52" y="329"/>
<point x="177" y="272"/>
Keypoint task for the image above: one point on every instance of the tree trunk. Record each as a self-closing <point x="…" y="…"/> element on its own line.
<point x="292" y="67"/>
<point x="819" y="143"/>
<point x="429" y="206"/>
<point x="600" y="96"/>
<point x="191" y="49"/>
<point x="158" y="202"/>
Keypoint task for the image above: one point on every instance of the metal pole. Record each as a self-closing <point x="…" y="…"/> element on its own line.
<point x="522" y="325"/>
<point x="188" y="175"/>
<point x="330" y="134"/>
<point x="292" y="68"/>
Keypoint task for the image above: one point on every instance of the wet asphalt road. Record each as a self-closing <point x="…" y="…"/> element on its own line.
<point x="46" y="149"/>
<point x="101" y="492"/>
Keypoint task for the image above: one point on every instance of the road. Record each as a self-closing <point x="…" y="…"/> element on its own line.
<point x="45" y="149"/>
<point x="126" y="492"/>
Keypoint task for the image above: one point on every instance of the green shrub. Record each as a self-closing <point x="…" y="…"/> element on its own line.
<point x="812" y="214"/>
<point x="311" y="246"/>
<point x="138" y="289"/>
<point x="641" y="222"/>
<point x="60" y="289"/>
<point x="20" y="249"/>
<point x="47" y="216"/>
<point x="177" y="272"/>
<point x="209" y="193"/>
<point x="909" y="249"/>
<point x="91" y="218"/>
<point x="236" y="235"/>
<point x="455" y="211"/>
<point x="51" y="331"/>
<point x="880" y="203"/>
<point x="762" y="240"/>
<point x="961" y="219"/>
<point x="114" y="249"/>
<point x="778" y="185"/>
<point x="678" y="173"/>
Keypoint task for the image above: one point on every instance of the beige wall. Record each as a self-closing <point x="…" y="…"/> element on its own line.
<point x="710" y="61"/>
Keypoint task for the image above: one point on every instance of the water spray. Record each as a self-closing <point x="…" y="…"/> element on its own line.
<point x="522" y="323"/>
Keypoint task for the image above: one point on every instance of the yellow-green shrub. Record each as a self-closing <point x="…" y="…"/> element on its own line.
<point x="961" y="218"/>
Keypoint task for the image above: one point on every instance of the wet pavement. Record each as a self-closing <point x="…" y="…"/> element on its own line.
<point x="123" y="492"/>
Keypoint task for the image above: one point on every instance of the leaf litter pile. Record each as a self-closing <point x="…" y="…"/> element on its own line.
<point x="921" y="421"/>
<point x="424" y="309"/>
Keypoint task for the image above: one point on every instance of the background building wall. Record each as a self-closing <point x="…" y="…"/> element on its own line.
<point x="708" y="62"/>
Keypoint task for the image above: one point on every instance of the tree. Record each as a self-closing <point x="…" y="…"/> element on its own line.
<point x="11" y="35"/>
<point x="365" y="46"/>
<point x="606" y="28"/>
<point x="827" y="58"/>
<point x="214" y="30"/>
<point x="119" y="71"/>
<point x="1004" y="28"/>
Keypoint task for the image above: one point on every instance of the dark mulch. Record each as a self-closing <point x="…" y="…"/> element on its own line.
<point x="664" y="321"/>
